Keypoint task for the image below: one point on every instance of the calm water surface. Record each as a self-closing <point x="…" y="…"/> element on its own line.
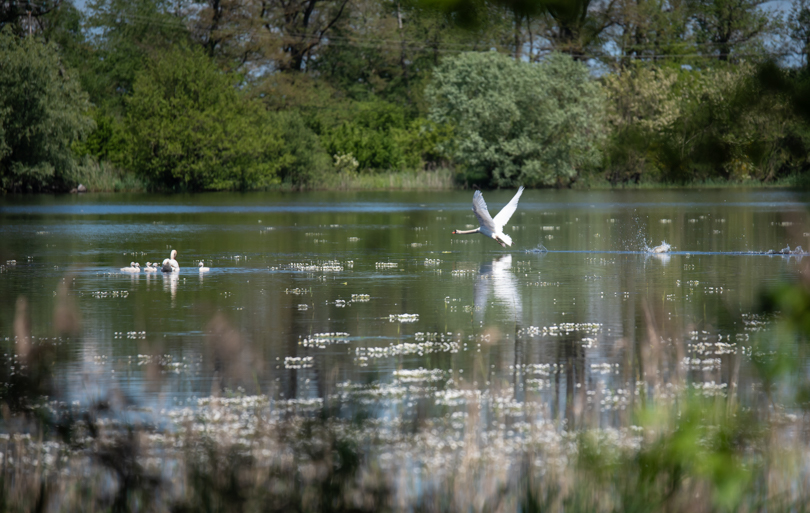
<point x="313" y="295"/>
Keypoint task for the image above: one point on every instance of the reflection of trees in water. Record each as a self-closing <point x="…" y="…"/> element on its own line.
<point x="568" y="354"/>
<point x="570" y="360"/>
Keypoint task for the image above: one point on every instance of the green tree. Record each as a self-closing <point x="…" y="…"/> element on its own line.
<point x="190" y="129"/>
<point x="126" y="34"/>
<point x="724" y="27"/>
<point x="42" y="112"/>
<point x="798" y="25"/>
<point x="368" y="136"/>
<point x="518" y="123"/>
<point x="297" y="28"/>
<point x="652" y="30"/>
<point x="388" y="50"/>
<point x="25" y="16"/>
<point x="675" y="125"/>
<point x="302" y="160"/>
<point x="63" y="26"/>
<point x="576" y="26"/>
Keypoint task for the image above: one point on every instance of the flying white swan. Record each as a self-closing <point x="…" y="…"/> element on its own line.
<point x="492" y="226"/>
<point x="170" y="264"/>
<point x="134" y="267"/>
<point x="149" y="268"/>
<point x="203" y="269"/>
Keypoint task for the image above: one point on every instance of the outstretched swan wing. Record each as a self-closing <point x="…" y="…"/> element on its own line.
<point x="506" y="212"/>
<point x="481" y="211"/>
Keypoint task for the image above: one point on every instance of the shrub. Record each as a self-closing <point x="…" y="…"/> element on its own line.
<point x="381" y="136"/>
<point x="367" y="135"/>
<point x="680" y="125"/>
<point x="301" y="159"/>
<point x="516" y="122"/>
<point x="190" y="129"/>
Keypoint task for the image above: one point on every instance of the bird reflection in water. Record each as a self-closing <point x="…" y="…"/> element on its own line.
<point x="497" y="277"/>
<point x="660" y="257"/>
<point x="170" y="284"/>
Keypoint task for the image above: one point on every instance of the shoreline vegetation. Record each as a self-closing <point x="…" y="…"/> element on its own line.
<point x="175" y="96"/>
<point x="106" y="178"/>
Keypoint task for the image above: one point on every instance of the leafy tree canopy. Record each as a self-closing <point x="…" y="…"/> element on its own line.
<point x="518" y="123"/>
<point x="126" y="35"/>
<point x="42" y="112"/>
<point x="190" y="129"/>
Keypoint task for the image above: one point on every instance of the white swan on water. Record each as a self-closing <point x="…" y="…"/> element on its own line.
<point x="663" y="248"/>
<point x="492" y="226"/>
<point x="149" y="268"/>
<point x="202" y="267"/>
<point x="170" y="265"/>
<point x="134" y="267"/>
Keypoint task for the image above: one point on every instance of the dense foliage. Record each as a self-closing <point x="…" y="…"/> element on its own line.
<point x="42" y="112"/>
<point x="239" y="95"/>
<point x="189" y="129"/>
<point x="678" y="125"/>
<point x="517" y="122"/>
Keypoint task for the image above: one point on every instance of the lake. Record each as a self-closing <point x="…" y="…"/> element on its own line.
<point x="328" y="294"/>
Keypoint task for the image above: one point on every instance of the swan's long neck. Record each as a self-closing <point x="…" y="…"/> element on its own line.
<point x="464" y="232"/>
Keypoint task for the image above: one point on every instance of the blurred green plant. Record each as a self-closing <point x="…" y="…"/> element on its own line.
<point x="692" y="455"/>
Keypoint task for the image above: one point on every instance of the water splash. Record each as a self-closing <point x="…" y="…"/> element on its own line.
<point x="663" y="248"/>
<point x="787" y="251"/>
<point x="539" y="249"/>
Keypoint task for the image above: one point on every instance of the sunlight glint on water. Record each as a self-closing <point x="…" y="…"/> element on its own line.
<point x="313" y="294"/>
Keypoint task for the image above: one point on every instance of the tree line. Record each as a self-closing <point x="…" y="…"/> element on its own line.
<point x="247" y="94"/>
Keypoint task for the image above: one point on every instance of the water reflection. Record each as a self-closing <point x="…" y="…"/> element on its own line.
<point x="660" y="257"/>
<point x="386" y="291"/>
<point x="496" y="276"/>
<point x="170" y="281"/>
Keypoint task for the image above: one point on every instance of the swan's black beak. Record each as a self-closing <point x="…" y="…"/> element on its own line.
<point x="454" y="232"/>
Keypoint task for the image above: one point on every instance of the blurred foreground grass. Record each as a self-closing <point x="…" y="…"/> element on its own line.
<point x="679" y="446"/>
